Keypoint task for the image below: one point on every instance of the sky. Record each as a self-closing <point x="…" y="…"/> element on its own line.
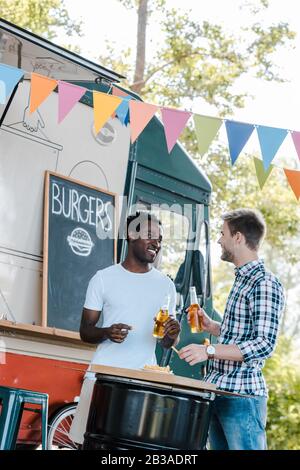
<point x="272" y="104"/>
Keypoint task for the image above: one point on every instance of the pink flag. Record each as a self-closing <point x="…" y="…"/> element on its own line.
<point x="174" y="122"/>
<point x="68" y="96"/>
<point x="296" y="140"/>
<point x="140" y="115"/>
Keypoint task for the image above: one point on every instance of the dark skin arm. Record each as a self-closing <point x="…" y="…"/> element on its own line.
<point x="90" y="333"/>
<point x="172" y="330"/>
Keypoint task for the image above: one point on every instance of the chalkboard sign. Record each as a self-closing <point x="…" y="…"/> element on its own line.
<point x="79" y="239"/>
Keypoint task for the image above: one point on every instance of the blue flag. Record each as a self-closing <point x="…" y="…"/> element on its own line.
<point x="270" y="139"/>
<point x="238" y="134"/>
<point x="122" y="110"/>
<point x="10" y="76"/>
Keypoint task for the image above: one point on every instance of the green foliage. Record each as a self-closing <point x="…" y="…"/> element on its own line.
<point x="204" y="61"/>
<point x="283" y="379"/>
<point x="42" y="17"/>
<point x="236" y="186"/>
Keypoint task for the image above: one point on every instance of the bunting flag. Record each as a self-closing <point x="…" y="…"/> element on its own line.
<point x="118" y="92"/>
<point x="41" y="87"/>
<point x="293" y="177"/>
<point x="122" y="111"/>
<point x="9" y="77"/>
<point x="270" y="139"/>
<point x="68" y="96"/>
<point x="296" y="140"/>
<point x="140" y="114"/>
<point x="206" y="129"/>
<point x="104" y="106"/>
<point x="261" y="174"/>
<point x="238" y="134"/>
<point x="174" y="122"/>
<point x="121" y="94"/>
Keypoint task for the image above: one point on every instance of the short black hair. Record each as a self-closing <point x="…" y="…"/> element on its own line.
<point x="250" y="223"/>
<point x="142" y="216"/>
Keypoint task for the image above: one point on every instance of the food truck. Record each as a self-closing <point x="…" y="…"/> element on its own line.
<point x="38" y="350"/>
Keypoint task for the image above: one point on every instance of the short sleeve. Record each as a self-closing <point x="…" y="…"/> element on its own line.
<point x="172" y="293"/>
<point x="94" y="293"/>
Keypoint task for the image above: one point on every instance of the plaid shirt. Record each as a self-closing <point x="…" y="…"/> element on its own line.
<point x="251" y="321"/>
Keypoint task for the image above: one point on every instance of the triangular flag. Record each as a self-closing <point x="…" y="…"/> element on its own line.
<point x="9" y="77"/>
<point x="206" y="129"/>
<point x="118" y="92"/>
<point x="140" y="114"/>
<point x="238" y="134"/>
<point x="68" y="96"/>
<point x="104" y="106"/>
<point x="174" y="121"/>
<point x="293" y="177"/>
<point x="41" y="87"/>
<point x="270" y="139"/>
<point x="296" y="140"/>
<point x="122" y="110"/>
<point x="122" y="94"/>
<point x="261" y="174"/>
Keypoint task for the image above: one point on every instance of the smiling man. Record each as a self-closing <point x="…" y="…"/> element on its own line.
<point x="127" y="296"/>
<point x="246" y="337"/>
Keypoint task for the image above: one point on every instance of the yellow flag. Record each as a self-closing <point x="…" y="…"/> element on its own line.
<point x="104" y="107"/>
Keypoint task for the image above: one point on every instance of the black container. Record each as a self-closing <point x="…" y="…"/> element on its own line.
<point x="133" y="414"/>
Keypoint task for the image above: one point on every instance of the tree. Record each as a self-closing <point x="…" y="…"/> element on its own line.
<point x="283" y="379"/>
<point x="42" y="17"/>
<point x="202" y="61"/>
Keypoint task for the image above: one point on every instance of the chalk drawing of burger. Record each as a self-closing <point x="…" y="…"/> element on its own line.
<point x="80" y="242"/>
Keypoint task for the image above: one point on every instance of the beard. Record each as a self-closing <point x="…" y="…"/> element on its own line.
<point x="226" y="255"/>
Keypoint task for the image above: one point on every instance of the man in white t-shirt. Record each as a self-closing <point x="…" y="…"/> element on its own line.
<point x="127" y="296"/>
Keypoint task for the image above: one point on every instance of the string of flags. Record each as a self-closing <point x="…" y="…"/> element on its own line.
<point x="127" y="109"/>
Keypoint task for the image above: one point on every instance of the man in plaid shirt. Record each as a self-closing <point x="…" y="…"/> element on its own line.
<point x="246" y="337"/>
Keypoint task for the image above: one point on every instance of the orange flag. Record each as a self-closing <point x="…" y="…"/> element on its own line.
<point x="41" y="87"/>
<point x="293" y="177"/>
<point x="140" y="115"/>
<point x="104" y="106"/>
<point x="118" y="92"/>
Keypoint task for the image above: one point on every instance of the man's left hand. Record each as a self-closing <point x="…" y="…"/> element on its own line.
<point x="193" y="353"/>
<point x="172" y="328"/>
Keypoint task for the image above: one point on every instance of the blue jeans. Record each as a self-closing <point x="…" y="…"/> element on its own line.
<point x="238" y="423"/>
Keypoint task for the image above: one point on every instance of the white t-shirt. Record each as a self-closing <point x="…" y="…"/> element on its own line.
<point x="134" y="299"/>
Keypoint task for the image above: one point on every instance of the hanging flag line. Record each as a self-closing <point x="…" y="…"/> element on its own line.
<point x="139" y="113"/>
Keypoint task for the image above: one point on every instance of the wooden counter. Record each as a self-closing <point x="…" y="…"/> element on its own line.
<point x="159" y="377"/>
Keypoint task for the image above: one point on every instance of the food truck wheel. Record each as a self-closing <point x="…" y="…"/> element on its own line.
<point x="58" y="429"/>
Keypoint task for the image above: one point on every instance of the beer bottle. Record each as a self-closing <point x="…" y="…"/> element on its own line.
<point x="195" y="322"/>
<point x="161" y="317"/>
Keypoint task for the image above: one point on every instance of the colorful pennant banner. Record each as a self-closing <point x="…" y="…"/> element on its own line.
<point x="41" y="87"/>
<point x="104" y="106"/>
<point x="126" y="108"/>
<point x="270" y="139"/>
<point x="206" y="129"/>
<point x="174" y="122"/>
<point x="261" y="173"/>
<point x="9" y="77"/>
<point x="140" y="114"/>
<point x="68" y="96"/>
<point x="238" y="135"/>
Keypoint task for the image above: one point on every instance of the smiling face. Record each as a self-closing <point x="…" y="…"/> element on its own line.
<point x="227" y="242"/>
<point x="146" y="244"/>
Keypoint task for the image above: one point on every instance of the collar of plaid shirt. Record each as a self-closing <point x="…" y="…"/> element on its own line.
<point x="248" y="267"/>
